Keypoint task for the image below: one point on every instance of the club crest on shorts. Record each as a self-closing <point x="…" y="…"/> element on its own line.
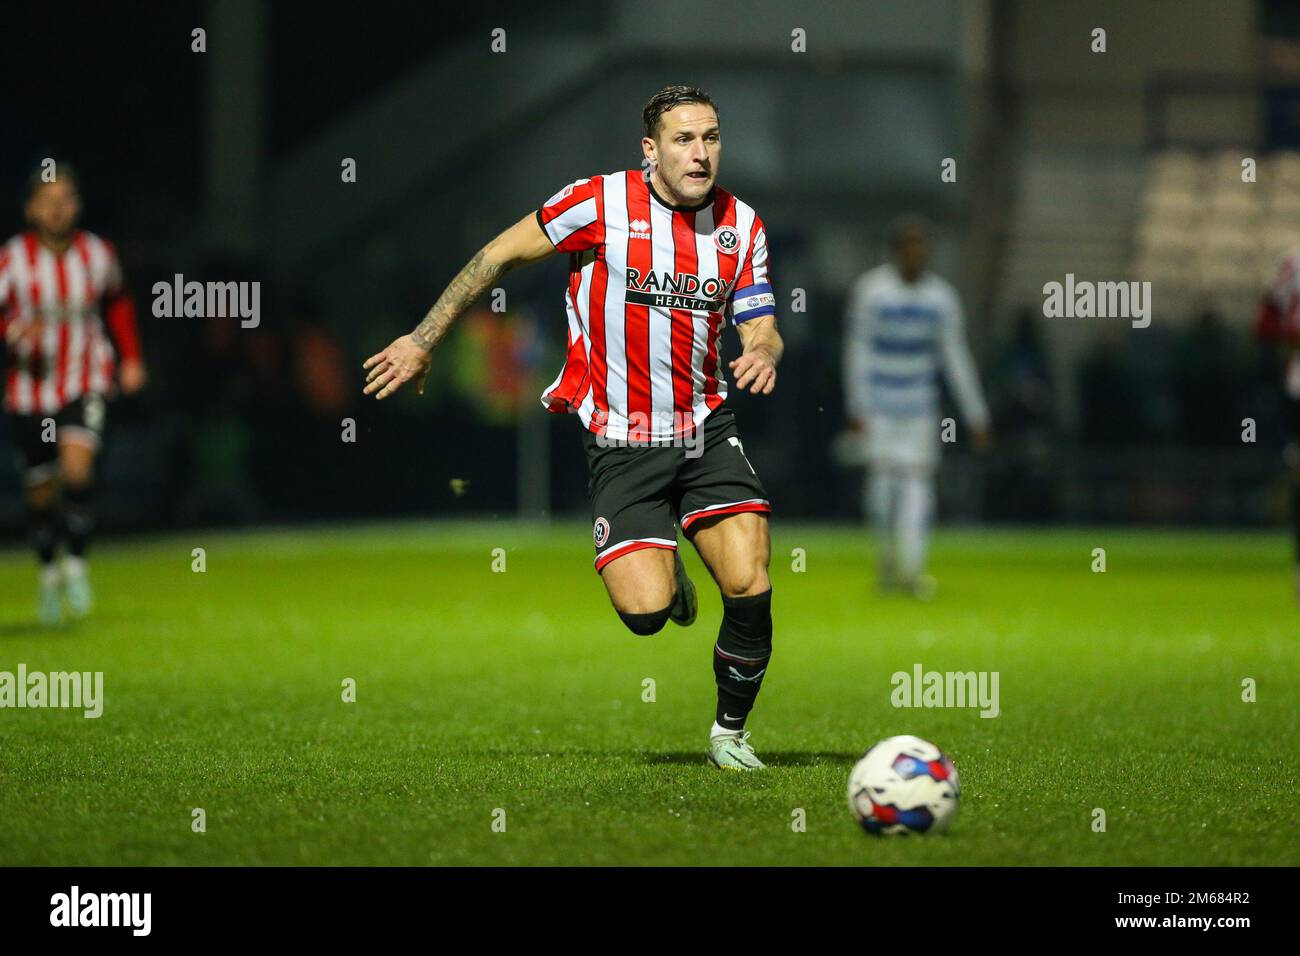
<point x="726" y="238"/>
<point x="600" y="532"/>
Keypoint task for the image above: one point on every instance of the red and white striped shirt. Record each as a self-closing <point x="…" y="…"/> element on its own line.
<point x="61" y="295"/>
<point x="650" y="285"/>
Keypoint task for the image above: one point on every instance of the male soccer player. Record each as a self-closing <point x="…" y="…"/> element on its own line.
<point x="1278" y="324"/>
<point x="60" y="286"/>
<point x="904" y="324"/>
<point x="657" y="262"/>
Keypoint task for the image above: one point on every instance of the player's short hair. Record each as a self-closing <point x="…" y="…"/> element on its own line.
<point x="909" y="225"/>
<point x="665" y="100"/>
<point x="63" y="172"/>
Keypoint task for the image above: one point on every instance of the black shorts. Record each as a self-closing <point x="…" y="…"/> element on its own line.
<point x="639" y="495"/>
<point x="37" y="442"/>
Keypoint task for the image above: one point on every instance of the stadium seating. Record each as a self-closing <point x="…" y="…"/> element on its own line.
<point x="1204" y="238"/>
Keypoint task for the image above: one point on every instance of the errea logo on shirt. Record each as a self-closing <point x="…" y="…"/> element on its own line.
<point x="640" y="229"/>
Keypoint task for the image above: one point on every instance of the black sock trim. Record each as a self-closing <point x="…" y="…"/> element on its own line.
<point x="645" y="624"/>
<point x="749" y="600"/>
<point x="42" y="532"/>
<point x="78" y="517"/>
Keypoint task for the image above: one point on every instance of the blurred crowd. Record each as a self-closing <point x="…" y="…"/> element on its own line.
<point x="247" y="425"/>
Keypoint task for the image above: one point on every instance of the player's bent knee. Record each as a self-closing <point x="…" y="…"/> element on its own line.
<point x="745" y="582"/>
<point x="640" y="582"/>
<point x="646" y="624"/>
<point x="77" y="475"/>
<point x="42" y="495"/>
<point x="645" y="609"/>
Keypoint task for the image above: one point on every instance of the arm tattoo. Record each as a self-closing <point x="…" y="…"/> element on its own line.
<point x="470" y="283"/>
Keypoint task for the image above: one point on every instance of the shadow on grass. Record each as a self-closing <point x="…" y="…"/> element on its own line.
<point x="776" y="758"/>
<point x="33" y="628"/>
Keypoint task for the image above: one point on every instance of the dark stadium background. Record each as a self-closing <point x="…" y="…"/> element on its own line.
<point x="225" y="166"/>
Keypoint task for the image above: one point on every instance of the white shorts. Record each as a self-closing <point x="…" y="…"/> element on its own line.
<point x="903" y="442"/>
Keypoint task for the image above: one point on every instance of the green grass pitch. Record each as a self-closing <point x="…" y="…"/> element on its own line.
<point x="478" y="690"/>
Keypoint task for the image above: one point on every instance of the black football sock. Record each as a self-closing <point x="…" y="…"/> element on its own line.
<point x="41" y="531"/>
<point x="646" y="624"/>
<point x="78" y="518"/>
<point x="741" y="654"/>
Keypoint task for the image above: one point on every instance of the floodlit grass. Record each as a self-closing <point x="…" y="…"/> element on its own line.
<point x="521" y="690"/>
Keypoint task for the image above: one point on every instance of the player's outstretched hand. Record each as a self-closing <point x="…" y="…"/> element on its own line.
<point x="755" y="371"/>
<point x="132" y="375"/>
<point x="396" y="365"/>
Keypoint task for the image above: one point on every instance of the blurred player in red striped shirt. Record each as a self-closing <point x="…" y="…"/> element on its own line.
<point x="61" y="297"/>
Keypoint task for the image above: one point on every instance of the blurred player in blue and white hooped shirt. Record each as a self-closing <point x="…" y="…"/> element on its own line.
<point x="903" y="325"/>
